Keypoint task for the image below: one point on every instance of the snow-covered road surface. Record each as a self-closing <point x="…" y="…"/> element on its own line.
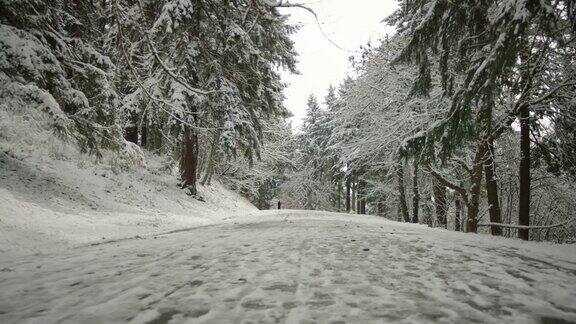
<point x="296" y="267"/>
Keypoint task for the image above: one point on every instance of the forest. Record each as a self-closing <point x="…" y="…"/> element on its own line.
<point x="464" y="119"/>
<point x="154" y="168"/>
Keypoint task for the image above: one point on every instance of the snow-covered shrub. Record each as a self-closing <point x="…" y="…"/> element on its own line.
<point x="25" y="127"/>
<point x="128" y="157"/>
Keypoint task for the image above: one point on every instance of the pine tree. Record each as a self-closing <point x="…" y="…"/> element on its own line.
<point x="51" y="60"/>
<point x="207" y="66"/>
<point x="479" y="46"/>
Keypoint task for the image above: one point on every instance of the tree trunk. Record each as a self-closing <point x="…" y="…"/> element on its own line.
<point x="144" y="133"/>
<point x="524" y="173"/>
<point x="362" y="196"/>
<point x="353" y="198"/>
<point x="415" y="195"/>
<point x="427" y="212"/>
<point x="381" y="206"/>
<point x="211" y="159"/>
<point x="131" y="134"/>
<point x="439" y="192"/>
<point x="348" y="195"/>
<point x="457" y="216"/>
<point x="339" y="194"/>
<point x="189" y="160"/>
<point x="262" y="205"/>
<point x="131" y="129"/>
<point x="492" y="190"/>
<point x="476" y="180"/>
<point x="402" y="192"/>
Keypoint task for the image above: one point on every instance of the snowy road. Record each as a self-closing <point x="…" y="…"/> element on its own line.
<point x="296" y="267"/>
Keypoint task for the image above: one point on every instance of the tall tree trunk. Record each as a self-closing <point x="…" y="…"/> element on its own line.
<point x="427" y="211"/>
<point x="144" y="132"/>
<point x="402" y="191"/>
<point x="339" y="194"/>
<point x="492" y="190"/>
<point x="131" y="129"/>
<point x="524" y="173"/>
<point x="457" y="216"/>
<point x="415" y="195"/>
<point x="211" y="159"/>
<point x="439" y="192"/>
<point x="354" y="191"/>
<point x="189" y="160"/>
<point x="381" y="206"/>
<point x="262" y="198"/>
<point x="362" y="197"/>
<point x="348" y="192"/>
<point x="476" y="180"/>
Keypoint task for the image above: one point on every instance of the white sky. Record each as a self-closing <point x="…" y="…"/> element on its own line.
<point x="349" y="24"/>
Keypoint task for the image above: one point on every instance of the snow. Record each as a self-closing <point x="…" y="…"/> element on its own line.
<point x="118" y="241"/>
<point x="53" y="198"/>
<point x="295" y="267"/>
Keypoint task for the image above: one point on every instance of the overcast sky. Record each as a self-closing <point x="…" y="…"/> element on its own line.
<point x="349" y="24"/>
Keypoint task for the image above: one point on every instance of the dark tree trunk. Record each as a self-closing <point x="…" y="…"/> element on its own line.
<point x="211" y="160"/>
<point x="439" y="192"/>
<point x="339" y="195"/>
<point x="189" y="160"/>
<point x="473" y="205"/>
<point x="144" y="133"/>
<point x="362" y="197"/>
<point x="524" y="173"/>
<point x="131" y="134"/>
<point x="381" y="206"/>
<point x="354" y="192"/>
<point x="415" y="195"/>
<point x="131" y="129"/>
<point x="262" y="203"/>
<point x="402" y="192"/>
<point x="348" y="195"/>
<point x="492" y="190"/>
<point x="457" y="216"/>
<point x="427" y="212"/>
<point x="144" y="137"/>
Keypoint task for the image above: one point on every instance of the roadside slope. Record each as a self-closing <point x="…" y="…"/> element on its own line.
<point x="47" y="204"/>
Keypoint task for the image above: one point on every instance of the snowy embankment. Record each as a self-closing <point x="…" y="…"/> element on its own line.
<point x="47" y="204"/>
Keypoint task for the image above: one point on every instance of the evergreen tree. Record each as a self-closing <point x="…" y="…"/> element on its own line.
<point x="209" y="66"/>
<point x="51" y="60"/>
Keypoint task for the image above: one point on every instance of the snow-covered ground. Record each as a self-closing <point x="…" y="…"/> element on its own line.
<point x="85" y="242"/>
<point x="296" y="267"/>
<point x="48" y="204"/>
<point x="52" y="196"/>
